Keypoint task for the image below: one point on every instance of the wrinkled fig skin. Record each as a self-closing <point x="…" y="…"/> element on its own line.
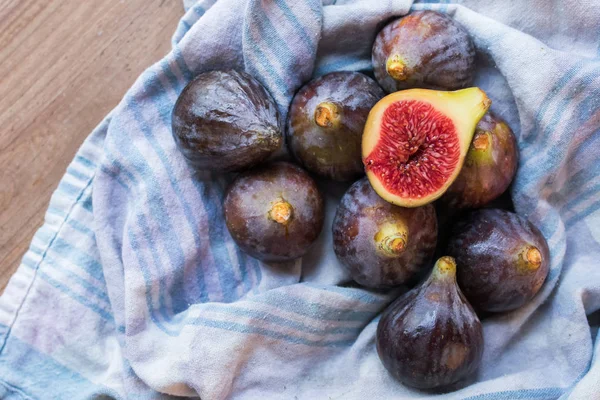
<point x="250" y="212"/>
<point x="489" y="168"/>
<point x="431" y="337"/>
<point x="488" y="246"/>
<point x="226" y="121"/>
<point x="330" y="147"/>
<point x="436" y="52"/>
<point x="360" y="216"/>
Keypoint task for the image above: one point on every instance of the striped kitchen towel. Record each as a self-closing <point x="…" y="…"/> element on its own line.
<point x="133" y="287"/>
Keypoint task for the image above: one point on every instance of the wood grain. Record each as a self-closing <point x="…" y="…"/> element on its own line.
<point x="64" y="64"/>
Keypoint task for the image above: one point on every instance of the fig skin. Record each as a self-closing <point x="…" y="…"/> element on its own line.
<point x="326" y="121"/>
<point x="274" y="212"/>
<point x="382" y="245"/>
<point x="431" y="337"/>
<point x="503" y="259"/>
<point x="489" y="168"/>
<point x="226" y="121"/>
<point x="424" y="49"/>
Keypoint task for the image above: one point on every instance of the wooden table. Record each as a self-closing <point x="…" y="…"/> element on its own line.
<point x="64" y="64"/>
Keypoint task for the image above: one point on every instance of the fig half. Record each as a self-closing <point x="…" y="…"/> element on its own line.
<point x="415" y="142"/>
<point x="380" y="244"/>
<point x="431" y="337"/>
<point x="504" y="259"/>
<point x="489" y="168"/>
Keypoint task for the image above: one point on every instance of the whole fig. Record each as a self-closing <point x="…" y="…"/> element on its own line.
<point x="424" y="49"/>
<point x="489" y="168"/>
<point x="380" y="244"/>
<point x="503" y="258"/>
<point x="431" y="337"/>
<point x="226" y="121"/>
<point x="274" y="212"/>
<point x="326" y="122"/>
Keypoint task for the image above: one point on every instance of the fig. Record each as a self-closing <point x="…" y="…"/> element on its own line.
<point x="326" y="121"/>
<point x="503" y="259"/>
<point x="274" y="212"/>
<point x="430" y="337"/>
<point x="226" y="121"/>
<point x="489" y="168"/>
<point x="425" y="49"/>
<point x="415" y="142"/>
<point x="380" y="244"/>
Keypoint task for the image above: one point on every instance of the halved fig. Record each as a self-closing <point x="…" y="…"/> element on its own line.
<point x="415" y="142"/>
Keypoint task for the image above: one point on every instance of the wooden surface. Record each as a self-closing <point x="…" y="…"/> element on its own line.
<point x="64" y="64"/>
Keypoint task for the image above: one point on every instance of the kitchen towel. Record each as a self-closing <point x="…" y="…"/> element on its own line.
<point x="134" y="289"/>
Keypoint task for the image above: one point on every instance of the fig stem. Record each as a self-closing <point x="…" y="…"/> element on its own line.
<point x="281" y="212"/>
<point x="394" y="244"/>
<point x="326" y="114"/>
<point x="487" y="102"/>
<point x="445" y="267"/>
<point x="532" y="258"/>
<point x="481" y="141"/>
<point x="396" y="68"/>
<point x="392" y="238"/>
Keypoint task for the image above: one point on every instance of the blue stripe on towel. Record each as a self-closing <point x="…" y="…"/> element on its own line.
<point x="50" y="380"/>
<point x="240" y="328"/>
<point x="293" y="20"/>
